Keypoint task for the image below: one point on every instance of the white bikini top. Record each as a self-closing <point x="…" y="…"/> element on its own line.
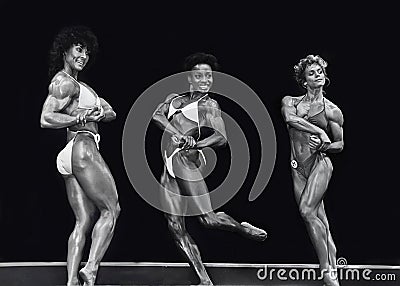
<point x="190" y="111"/>
<point x="87" y="99"/>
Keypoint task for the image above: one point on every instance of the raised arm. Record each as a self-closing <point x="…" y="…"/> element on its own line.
<point x="160" y="117"/>
<point x="218" y="138"/>
<point x="61" y="92"/>
<point x="336" y="121"/>
<point x="291" y="118"/>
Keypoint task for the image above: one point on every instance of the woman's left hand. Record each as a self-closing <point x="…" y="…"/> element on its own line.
<point x="96" y="114"/>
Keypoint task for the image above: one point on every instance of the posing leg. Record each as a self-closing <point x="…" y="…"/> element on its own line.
<point x="98" y="184"/>
<point x="84" y="212"/>
<point x="331" y="244"/>
<point x="299" y="185"/>
<point x="183" y="240"/>
<point x="172" y="201"/>
<point x="193" y="185"/>
<point x="310" y="202"/>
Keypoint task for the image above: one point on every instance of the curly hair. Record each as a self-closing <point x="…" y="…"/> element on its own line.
<point x="200" y="58"/>
<point x="65" y="39"/>
<point x="300" y="68"/>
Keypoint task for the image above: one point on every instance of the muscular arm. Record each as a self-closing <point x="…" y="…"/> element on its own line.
<point x="336" y="126"/>
<point x="218" y="138"/>
<point x="160" y="117"/>
<point x="291" y="118"/>
<point x="60" y="95"/>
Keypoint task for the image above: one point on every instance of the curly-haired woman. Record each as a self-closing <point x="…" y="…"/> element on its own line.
<point x="310" y="118"/>
<point x="73" y="105"/>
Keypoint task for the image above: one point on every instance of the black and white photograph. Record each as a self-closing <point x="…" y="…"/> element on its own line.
<point x="199" y="143"/>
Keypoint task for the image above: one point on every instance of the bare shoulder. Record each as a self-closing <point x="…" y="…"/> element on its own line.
<point x="62" y="86"/>
<point x="333" y="112"/>
<point x="289" y="100"/>
<point x="170" y="97"/>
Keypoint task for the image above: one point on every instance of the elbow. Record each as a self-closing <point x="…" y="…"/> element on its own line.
<point x="156" y="118"/>
<point x="43" y="122"/>
<point x="223" y="141"/>
<point x="113" y="115"/>
<point x="338" y="148"/>
<point x="290" y="119"/>
<point x="341" y="146"/>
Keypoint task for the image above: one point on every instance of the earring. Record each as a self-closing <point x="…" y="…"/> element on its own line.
<point x="305" y="83"/>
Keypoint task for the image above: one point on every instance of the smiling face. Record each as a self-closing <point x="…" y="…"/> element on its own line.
<point x="76" y="57"/>
<point x="314" y="76"/>
<point x="201" y="78"/>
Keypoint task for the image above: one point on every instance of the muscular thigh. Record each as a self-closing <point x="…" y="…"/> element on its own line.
<point x="299" y="183"/>
<point x="317" y="183"/>
<point x="93" y="173"/>
<point x="81" y="205"/>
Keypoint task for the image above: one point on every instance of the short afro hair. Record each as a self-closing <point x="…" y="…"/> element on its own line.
<point x="65" y="39"/>
<point x="300" y="68"/>
<point x="200" y="58"/>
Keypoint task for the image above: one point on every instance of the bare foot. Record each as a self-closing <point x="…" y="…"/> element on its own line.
<point x="254" y="232"/>
<point x="74" y="282"/>
<point x="88" y="277"/>
<point x="329" y="281"/>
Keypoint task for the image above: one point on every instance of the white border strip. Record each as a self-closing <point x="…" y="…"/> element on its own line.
<point x="169" y="264"/>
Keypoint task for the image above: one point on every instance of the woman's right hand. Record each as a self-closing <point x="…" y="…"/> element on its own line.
<point x="81" y="116"/>
<point x="184" y="141"/>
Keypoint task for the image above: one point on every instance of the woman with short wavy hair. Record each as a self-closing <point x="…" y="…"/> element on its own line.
<point x="315" y="126"/>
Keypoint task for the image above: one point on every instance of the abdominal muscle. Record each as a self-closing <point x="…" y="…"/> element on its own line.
<point x="300" y="141"/>
<point x="89" y="126"/>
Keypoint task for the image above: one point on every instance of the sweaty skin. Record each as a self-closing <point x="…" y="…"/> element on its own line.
<point x="91" y="189"/>
<point x="187" y="165"/>
<point x="309" y="140"/>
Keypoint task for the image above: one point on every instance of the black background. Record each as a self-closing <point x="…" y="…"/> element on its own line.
<point x="259" y="46"/>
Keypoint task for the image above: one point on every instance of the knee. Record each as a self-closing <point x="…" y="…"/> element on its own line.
<point x="307" y="213"/>
<point x="117" y="211"/>
<point x="176" y="228"/>
<point x="110" y="216"/>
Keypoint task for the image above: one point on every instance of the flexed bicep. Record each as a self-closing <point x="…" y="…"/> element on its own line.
<point x="61" y="92"/>
<point x="336" y="128"/>
<point x="215" y="118"/>
<point x="215" y="121"/>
